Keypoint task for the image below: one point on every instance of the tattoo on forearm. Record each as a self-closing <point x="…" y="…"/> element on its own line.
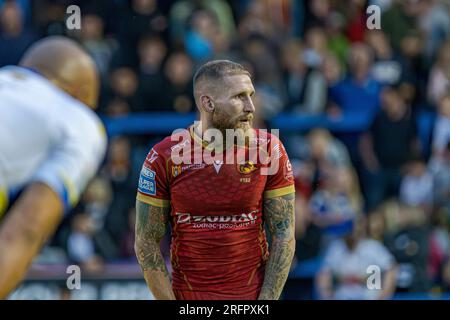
<point x="151" y="224"/>
<point x="279" y="215"/>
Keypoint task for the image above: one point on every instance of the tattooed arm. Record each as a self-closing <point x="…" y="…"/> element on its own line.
<point x="279" y="215"/>
<point x="151" y="222"/>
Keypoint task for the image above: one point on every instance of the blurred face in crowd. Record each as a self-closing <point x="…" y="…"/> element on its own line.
<point x="444" y="58"/>
<point x="331" y="68"/>
<point x="417" y="168"/>
<point x="11" y="18"/>
<point x="144" y="6"/>
<point x="320" y="8"/>
<point x="205" y="24"/>
<point x="291" y="56"/>
<point x="360" y="60"/>
<point x="319" y="140"/>
<point x="411" y="45"/>
<point x="124" y="82"/>
<point x="316" y="39"/>
<point x="233" y="105"/>
<point x="152" y="52"/>
<point x="393" y="103"/>
<point x="179" y="69"/>
<point x="92" y="27"/>
<point x="378" y="41"/>
<point x="119" y="151"/>
<point x="444" y="106"/>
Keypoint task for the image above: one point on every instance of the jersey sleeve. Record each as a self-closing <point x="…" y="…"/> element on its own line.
<point x="73" y="160"/>
<point x="281" y="181"/>
<point x="153" y="187"/>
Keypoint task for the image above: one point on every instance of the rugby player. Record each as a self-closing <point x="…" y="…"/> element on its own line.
<point x="217" y="211"/>
<point x="51" y="144"/>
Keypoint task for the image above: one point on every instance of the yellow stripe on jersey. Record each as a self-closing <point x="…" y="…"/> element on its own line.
<point x="71" y="190"/>
<point x="279" y="192"/>
<point x="153" y="201"/>
<point x="3" y="201"/>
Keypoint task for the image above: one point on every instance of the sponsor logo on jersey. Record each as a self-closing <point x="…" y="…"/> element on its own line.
<point x="193" y="166"/>
<point x="217" y="165"/>
<point x="246" y="168"/>
<point x="243" y="217"/>
<point x="147" y="181"/>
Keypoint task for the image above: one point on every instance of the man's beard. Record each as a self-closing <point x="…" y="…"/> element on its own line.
<point x="222" y="122"/>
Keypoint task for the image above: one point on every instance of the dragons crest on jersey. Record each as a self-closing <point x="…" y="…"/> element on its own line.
<point x="246" y="168"/>
<point x="176" y="170"/>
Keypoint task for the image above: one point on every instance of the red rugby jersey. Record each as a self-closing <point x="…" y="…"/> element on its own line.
<point x="218" y="241"/>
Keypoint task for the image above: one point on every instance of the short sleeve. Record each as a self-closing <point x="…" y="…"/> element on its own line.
<point x="153" y="185"/>
<point x="281" y="181"/>
<point x="73" y="161"/>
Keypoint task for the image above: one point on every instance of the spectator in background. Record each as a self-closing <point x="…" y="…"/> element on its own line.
<point x="266" y="73"/>
<point x="441" y="133"/>
<point x="318" y="13"/>
<point x="344" y="272"/>
<point x="338" y="44"/>
<point x="14" y="37"/>
<point x="416" y="188"/>
<point x="335" y="205"/>
<point x="123" y="87"/>
<point x="305" y="89"/>
<point x="407" y="235"/>
<point x="152" y="51"/>
<point x="119" y="171"/>
<point x="359" y="92"/>
<point x="439" y="83"/>
<point x="81" y="245"/>
<point x="413" y="68"/>
<point x="434" y="21"/>
<point x="355" y="11"/>
<point x="178" y="89"/>
<point x="91" y="37"/>
<point x="326" y="151"/>
<point x="127" y="241"/>
<point x="182" y="10"/>
<point x="387" y="146"/>
<point x="386" y="68"/>
<point x="199" y="39"/>
<point x="315" y="47"/>
<point x="439" y="248"/>
<point x="440" y="169"/>
<point x="399" y="20"/>
<point x="143" y="18"/>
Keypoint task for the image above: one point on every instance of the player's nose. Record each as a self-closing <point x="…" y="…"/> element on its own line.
<point x="249" y="106"/>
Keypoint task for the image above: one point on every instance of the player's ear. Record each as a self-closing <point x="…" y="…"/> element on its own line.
<point x="207" y="103"/>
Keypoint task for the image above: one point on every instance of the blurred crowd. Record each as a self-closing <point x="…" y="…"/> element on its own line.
<point x="378" y="197"/>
